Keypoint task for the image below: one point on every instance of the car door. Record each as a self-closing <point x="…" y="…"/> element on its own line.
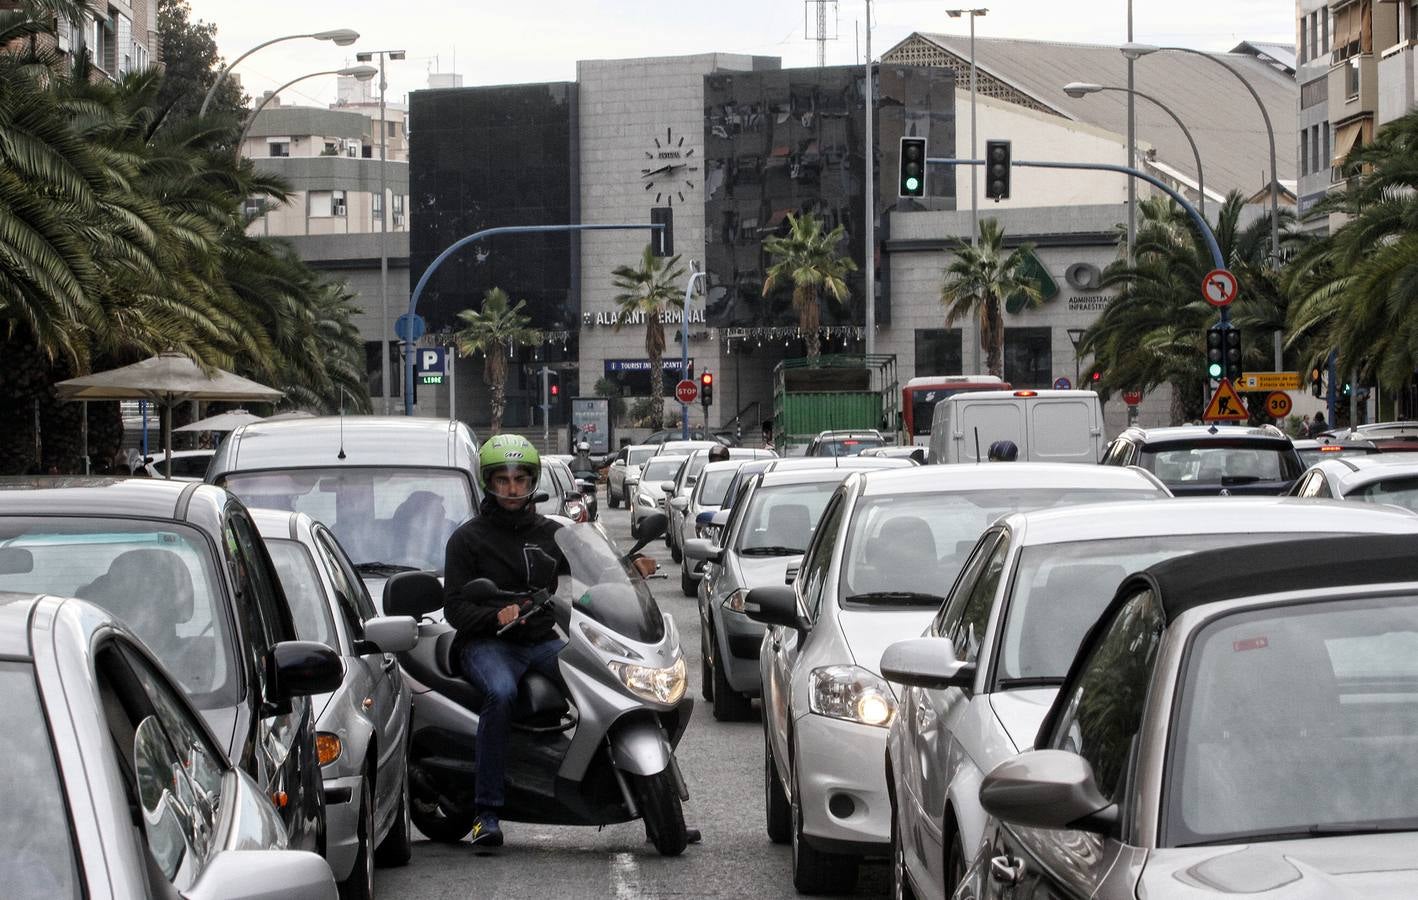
<point x="1101" y="722"/>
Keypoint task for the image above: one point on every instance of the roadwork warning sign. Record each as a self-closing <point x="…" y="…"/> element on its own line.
<point x="1226" y="405"/>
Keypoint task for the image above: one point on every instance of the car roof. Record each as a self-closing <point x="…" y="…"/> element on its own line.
<point x="1201" y="515"/>
<point x="727" y="465"/>
<point x="686" y="446"/>
<point x="839" y="462"/>
<point x="133" y="498"/>
<point x="1353" y="471"/>
<point x="15" y="610"/>
<point x="1002" y="476"/>
<point x="280" y="524"/>
<point x="641" y="447"/>
<point x="1018" y="394"/>
<point x="340" y="441"/>
<point x="804" y="476"/>
<point x="1206" y="433"/>
<point x="849" y="432"/>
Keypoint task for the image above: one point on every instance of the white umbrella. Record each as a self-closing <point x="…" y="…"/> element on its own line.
<point x="227" y="421"/>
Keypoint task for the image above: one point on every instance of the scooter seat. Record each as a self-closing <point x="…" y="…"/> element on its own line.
<point x="540" y="702"/>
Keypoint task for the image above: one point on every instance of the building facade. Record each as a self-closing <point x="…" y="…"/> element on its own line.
<point x="120" y="36"/>
<point x="1312" y="65"/>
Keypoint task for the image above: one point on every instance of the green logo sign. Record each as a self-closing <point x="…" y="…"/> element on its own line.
<point x="1048" y="288"/>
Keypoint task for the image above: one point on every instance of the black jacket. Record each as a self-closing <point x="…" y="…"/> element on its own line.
<point x="501" y="546"/>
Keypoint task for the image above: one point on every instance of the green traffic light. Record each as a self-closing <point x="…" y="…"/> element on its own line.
<point x="912" y="184"/>
<point x="1214" y="370"/>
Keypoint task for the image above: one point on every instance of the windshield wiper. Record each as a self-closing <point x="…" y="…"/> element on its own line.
<point x="911" y="597"/>
<point x="1327" y="829"/>
<point x="770" y="551"/>
<point x="1036" y="681"/>
<point x="1240" y="479"/>
<point x="382" y="568"/>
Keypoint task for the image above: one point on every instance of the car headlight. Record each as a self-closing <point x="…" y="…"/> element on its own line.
<point x="645" y="501"/>
<point x="853" y="694"/>
<point x="327" y="747"/>
<point x="736" y="600"/>
<point x="660" y="685"/>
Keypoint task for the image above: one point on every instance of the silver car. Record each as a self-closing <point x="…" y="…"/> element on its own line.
<point x="624" y="472"/>
<point x="681" y="525"/>
<point x="649" y="495"/>
<point x="113" y="783"/>
<point x="362" y="727"/>
<point x="1034" y="584"/>
<point x="882" y="558"/>
<point x="1234" y="724"/>
<point x="1390" y="478"/>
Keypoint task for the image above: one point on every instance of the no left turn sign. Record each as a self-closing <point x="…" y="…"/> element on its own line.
<point x="1219" y="287"/>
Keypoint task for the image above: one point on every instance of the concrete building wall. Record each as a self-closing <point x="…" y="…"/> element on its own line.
<point x="1312" y="128"/>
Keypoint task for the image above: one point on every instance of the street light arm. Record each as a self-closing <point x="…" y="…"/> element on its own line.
<point x="1186" y="132"/>
<point x="341" y="36"/>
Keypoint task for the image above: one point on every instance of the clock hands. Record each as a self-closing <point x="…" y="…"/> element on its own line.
<point x="666" y="169"/>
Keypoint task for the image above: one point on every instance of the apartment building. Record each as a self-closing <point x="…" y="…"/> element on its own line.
<point x="1312" y="65"/>
<point x="121" y="36"/>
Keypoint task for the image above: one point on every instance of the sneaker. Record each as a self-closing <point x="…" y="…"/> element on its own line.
<point x="486" y="831"/>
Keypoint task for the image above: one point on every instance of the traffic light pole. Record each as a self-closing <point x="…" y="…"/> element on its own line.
<point x="477" y="236"/>
<point x="694" y="275"/>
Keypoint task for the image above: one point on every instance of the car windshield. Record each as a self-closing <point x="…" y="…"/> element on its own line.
<point x="847" y="446"/>
<point x="300" y="581"/>
<point x="662" y="468"/>
<point x="1219" y="462"/>
<point x="383" y="517"/>
<point x="909" y="548"/>
<point x="713" y="486"/>
<point x="603" y="587"/>
<point x="1401" y="490"/>
<point x="638" y="455"/>
<point x="780" y="518"/>
<point x="158" y="579"/>
<point x="36" y="852"/>
<point x="1297" y="721"/>
<point x="1060" y="590"/>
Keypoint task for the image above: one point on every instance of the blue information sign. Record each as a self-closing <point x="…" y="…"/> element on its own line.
<point x="404" y="324"/>
<point x="1062" y="384"/>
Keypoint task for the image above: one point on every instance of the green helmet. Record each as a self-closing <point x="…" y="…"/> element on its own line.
<point x="507" y="451"/>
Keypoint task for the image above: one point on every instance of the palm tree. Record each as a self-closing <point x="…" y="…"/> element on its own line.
<point x="647" y="290"/>
<point x="813" y="264"/>
<point x="494" y="331"/>
<point x="979" y="281"/>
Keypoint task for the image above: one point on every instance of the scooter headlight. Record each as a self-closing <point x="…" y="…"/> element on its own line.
<point x="853" y="694"/>
<point x="659" y="685"/>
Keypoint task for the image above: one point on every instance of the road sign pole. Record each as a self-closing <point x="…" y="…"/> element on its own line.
<point x="546" y="406"/>
<point x="451" y="365"/>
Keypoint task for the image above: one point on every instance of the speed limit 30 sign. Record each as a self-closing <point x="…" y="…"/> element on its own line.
<point x="1278" y="404"/>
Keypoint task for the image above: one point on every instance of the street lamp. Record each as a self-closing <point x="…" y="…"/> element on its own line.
<point x="1136" y="51"/>
<point x="363" y="73"/>
<point x="384" y="341"/>
<point x="974" y="170"/>
<point x="342" y="37"/>
<point x="1080" y="89"/>
<point x="1075" y="336"/>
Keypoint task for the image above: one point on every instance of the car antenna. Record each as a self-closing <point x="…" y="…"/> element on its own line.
<point x="977" y="445"/>
<point x="341" y="454"/>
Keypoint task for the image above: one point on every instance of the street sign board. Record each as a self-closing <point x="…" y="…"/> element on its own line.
<point x="430" y="364"/>
<point x="1219" y="287"/>
<point x="1226" y="405"/>
<point x="1269" y="381"/>
<point x="409" y="328"/>
<point x="1132" y="398"/>
<point x="1278" y="404"/>
<point x="591" y="422"/>
<point x="1062" y="384"/>
<point x="686" y="391"/>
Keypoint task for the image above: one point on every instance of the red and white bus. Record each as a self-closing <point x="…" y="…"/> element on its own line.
<point x="920" y="395"/>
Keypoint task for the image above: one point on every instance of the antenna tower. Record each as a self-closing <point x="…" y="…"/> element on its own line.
<point x="815" y="25"/>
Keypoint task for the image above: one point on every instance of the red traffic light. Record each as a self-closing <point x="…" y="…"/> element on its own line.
<point x="555" y="390"/>
<point x="706" y="379"/>
<point x="1096" y="376"/>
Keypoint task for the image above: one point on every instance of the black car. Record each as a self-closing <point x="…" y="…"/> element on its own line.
<point x="1201" y="460"/>
<point x="183" y="566"/>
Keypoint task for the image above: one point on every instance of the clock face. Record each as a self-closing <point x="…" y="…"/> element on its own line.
<point x="669" y="168"/>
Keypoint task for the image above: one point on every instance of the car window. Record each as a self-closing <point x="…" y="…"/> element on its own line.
<point x="662" y="469"/>
<point x="817" y="565"/>
<point x="1315" y="486"/>
<point x="304" y="591"/>
<point x="714" y="485"/>
<point x="779" y="518"/>
<point x="1103" y="713"/>
<point x="1398" y="490"/>
<point x="265" y="586"/>
<point x="37" y="859"/>
<point x="967" y="634"/>
<point x="349" y="587"/>
<point x="950" y="611"/>
<point x="1220" y="462"/>
<point x="159" y="579"/>
<point x="1117" y="453"/>
<point x="639" y="455"/>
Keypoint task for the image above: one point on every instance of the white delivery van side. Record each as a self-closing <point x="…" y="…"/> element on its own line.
<point x="1047" y="426"/>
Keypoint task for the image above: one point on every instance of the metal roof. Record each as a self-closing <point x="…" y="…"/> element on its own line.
<point x="1219" y="112"/>
<point x="345" y="441"/>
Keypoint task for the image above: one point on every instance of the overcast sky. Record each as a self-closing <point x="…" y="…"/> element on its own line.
<point x="507" y="42"/>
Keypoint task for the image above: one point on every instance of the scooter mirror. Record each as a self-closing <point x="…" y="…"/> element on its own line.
<point x="482" y="589"/>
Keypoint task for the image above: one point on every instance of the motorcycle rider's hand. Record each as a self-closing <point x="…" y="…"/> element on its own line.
<point x="508" y="613"/>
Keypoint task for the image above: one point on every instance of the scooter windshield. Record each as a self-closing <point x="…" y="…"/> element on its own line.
<point x="604" y="588"/>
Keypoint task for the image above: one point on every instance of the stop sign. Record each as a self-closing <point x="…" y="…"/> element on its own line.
<point x="1132" y="398"/>
<point x="686" y="391"/>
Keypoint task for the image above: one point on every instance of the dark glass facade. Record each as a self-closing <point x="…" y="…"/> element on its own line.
<point x="485" y="157"/>
<point x="1029" y="357"/>
<point x="939" y="351"/>
<point x="791" y="141"/>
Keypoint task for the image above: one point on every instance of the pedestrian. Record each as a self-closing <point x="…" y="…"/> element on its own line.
<point x="1319" y="425"/>
<point x="1305" y="424"/>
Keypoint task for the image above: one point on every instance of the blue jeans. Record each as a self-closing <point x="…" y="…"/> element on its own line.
<point x="496" y="666"/>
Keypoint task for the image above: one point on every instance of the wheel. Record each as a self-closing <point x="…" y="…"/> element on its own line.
<point x="900" y="882"/>
<point x="675" y="553"/>
<point x="435" y="822"/>
<point x="360" y="883"/>
<point x="815" y="872"/>
<point x="955" y="863"/>
<point x="706" y="674"/>
<point x="778" y="814"/>
<point x="397" y="848"/>
<point x="611" y="501"/>
<point x="658" y="798"/>
<point x="729" y="704"/>
<point x="687" y="584"/>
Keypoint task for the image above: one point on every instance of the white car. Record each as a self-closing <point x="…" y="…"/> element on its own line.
<point x="624" y="472"/>
<point x="649" y="495"/>
<point x="883" y="556"/>
<point x="1034" y="584"/>
<point x="187" y="465"/>
<point x="1389" y="478"/>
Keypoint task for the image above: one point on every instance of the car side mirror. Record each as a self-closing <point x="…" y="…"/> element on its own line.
<point x="304" y="668"/>
<point x="703" y="550"/>
<point x="619" y="462"/>
<point x="414" y="594"/>
<point x="389" y="634"/>
<point x="1048" y="789"/>
<point x="667" y="486"/>
<point x="775" y="605"/>
<point x="680" y="503"/>
<point x="926" y="662"/>
<point x="720" y="519"/>
<point x="252" y="874"/>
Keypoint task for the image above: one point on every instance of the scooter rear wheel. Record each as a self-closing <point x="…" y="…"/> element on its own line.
<point x="439" y="824"/>
<point x="658" y="797"/>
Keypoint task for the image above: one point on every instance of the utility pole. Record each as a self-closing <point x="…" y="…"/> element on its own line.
<point x="1132" y="146"/>
<point x="869" y="267"/>
<point x="384" y="339"/>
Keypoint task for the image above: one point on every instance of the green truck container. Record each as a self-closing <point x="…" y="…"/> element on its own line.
<point x="833" y="393"/>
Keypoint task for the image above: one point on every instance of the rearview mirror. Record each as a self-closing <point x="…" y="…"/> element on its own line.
<point x="572" y="497"/>
<point x="775" y="606"/>
<point x="16" y="561"/>
<point x="667" y="486"/>
<point x="926" y="662"/>
<point x="619" y="462"/>
<point x="413" y="594"/>
<point x="253" y="874"/>
<point x="1047" y="789"/>
<point x="703" y="550"/>
<point x="389" y="634"/>
<point x="306" y="667"/>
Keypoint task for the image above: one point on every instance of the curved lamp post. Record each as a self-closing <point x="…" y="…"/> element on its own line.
<point x="1079" y="89"/>
<point x="1137" y="51"/>
<point x="363" y="73"/>
<point x="341" y="36"/>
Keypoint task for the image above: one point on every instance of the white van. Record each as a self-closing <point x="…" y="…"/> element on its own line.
<point x="1046" y="426"/>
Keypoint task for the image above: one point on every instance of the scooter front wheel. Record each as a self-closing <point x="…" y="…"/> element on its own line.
<point x="439" y="824"/>
<point x="658" y="797"/>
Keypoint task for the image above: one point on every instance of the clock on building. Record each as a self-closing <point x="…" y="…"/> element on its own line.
<point x="669" y="169"/>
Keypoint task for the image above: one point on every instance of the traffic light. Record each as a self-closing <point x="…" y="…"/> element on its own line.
<point x="912" y="180"/>
<point x="1215" y="353"/>
<point x="1096" y="378"/>
<point x="553" y="388"/>
<point x="1316" y="382"/>
<point x="662" y="240"/>
<point x="1231" y="341"/>
<point x="706" y="388"/>
<point x="997" y="170"/>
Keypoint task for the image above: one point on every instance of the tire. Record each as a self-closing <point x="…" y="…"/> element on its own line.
<point x="360" y="884"/>
<point x="658" y="797"/>
<point x="729" y="704"/>
<point x="815" y="872"/>
<point x="611" y="501"/>
<point x="706" y="672"/>
<point x="900" y="881"/>
<point x="676" y="553"/>
<point x="439" y="824"/>
<point x="956" y="865"/>
<point x="778" y="813"/>
<point x="397" y="848"/>
<point x="687" y="585"/>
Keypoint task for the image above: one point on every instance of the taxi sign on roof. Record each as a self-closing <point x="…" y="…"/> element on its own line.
<point x="1226" y="405"/>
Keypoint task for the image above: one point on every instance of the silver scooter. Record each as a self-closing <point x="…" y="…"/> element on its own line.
<point x="596" y="749"/>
